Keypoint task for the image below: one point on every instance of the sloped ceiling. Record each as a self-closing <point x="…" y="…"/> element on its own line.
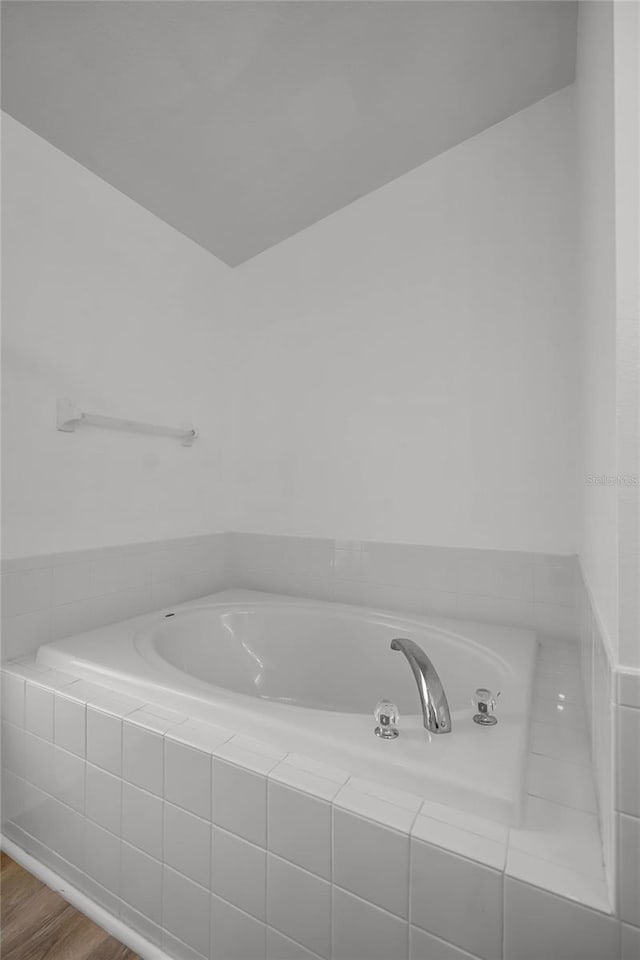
<point x="241" y="123"/>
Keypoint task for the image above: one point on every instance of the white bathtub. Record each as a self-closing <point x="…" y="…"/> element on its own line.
<point x="306" y="675"/>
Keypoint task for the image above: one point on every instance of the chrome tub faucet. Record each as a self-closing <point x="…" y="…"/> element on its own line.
<point x="435" y="709"/>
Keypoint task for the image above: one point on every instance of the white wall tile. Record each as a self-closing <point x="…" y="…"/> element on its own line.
<point x="13" y="748"/>
<point x="13" y="694"/>
<point x="65" y="833"/>
<point x="103" y="798"/>
<point x="630" y="947"/>
<point x="559" y="834"/>
<point x="556" y="621"/>
<point x="102" y="856"/>
<point x="310" y="556"/>
<point x="33" y="818"/>
<point x="42" y="851"/>
<point x="113" y="574"/>
<point x="391" y="597"/>
<point x="57" y="827"/>
<point x="555" y="583"/>
<point x="187" y="843"/>
<point x="562" y="685"/>
<point x="14" y="564"/>
<point x="69" y="775"/>
<point x="628" y="760"/>
<point x="347" y="563"/>
<point x="424" y="946"/>
<point x="555" y="652"/>
<point x="240" y="801"/>
<point x="82" y="691"/>
<point x="178" y="950"/>
<point x="250" y="754"/>
<point x="492" y="573"/>
<point x="26" y="591"/>
<point x="104" y="740"/>
<point x="142" y="758"/>
<point x="199" y="735"/>
<point x="147" y="928"/>
<point x="456" y="900"/>
<point x="142" y="820"/>
<point x="299" y="905"/>
<point x="311" y="777"/>
<point x="187" y="778"/>
<point x="71" y="582"/>
<point x="561" y="715"/>
<point x="155" y="719"/>
<point x="38" y="716"/>
<point x="165" y="563"/>
<point x="585" y="888"/>
<point x="12" y="800"/>
<point x="386" y="563"/>
<point x="38" y="762"/>
<point x="280" y="947"/>
<point x="235" y="935"/>
<point x="117" y="705"/>
<point x="299" y="828"/>
<point x="629" y="689"/>
<point x="629" y="869"/>
<point x="502" y="610"/>
<point x="539" y="924"/>
<point x="101" y="895"/>
<point x="364" y="932"/>
<point x="72" y="618"/>
<point x="52" y="679"/>
<point x="387" y="814"/>
<point x="238" y="872"/>
<point x="439" y="603"/>
<point x="371" y="861"/>
<point x="186" y="910"/>
<point x="169" y="593"/>
<point x="491" y="853"/>
<point x="561" y="742"/>
<point x="561" y="782"/>
<point x="69" y="724"/>
<point x="490" y="829"/>
<point x="141" y="882"/>
<point x="439" y="569"/>
<point x="399" y="798"/>
<point x="24" y="634"/>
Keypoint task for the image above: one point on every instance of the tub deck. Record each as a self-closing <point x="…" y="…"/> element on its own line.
<point x="480" y="770"/>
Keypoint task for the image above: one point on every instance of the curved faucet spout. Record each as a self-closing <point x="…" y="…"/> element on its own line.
<point x="435" y="709"/>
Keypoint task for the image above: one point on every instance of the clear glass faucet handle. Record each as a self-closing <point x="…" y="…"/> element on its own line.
<point x="485" y="704"/>
<point x="386" y="716"/>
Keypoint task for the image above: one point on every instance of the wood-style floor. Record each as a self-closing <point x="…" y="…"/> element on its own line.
<point x="37" y="923"/>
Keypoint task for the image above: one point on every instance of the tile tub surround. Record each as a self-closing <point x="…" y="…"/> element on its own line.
<point x="522" y="589"/>
<point x="612" y="698"/>
<point x="213" y="845"/>
<point x="49" y="597"/>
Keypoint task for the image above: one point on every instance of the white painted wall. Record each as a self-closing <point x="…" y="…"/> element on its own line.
<point x="408" y="366"/>
<point x="608" y="98"/>
<point x="626" y="46"/>
<point x="404" y="370"/>
<point x="109" y="306"/>
<point x="596" y="151"/>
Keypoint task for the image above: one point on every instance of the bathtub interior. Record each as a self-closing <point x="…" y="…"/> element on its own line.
<point x="320" y="658"/>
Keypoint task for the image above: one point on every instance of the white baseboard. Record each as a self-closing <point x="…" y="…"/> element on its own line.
<point x="114" y="926"/>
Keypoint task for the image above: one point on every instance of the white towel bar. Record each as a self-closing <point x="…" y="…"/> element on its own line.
<point x="70" y="415"/>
